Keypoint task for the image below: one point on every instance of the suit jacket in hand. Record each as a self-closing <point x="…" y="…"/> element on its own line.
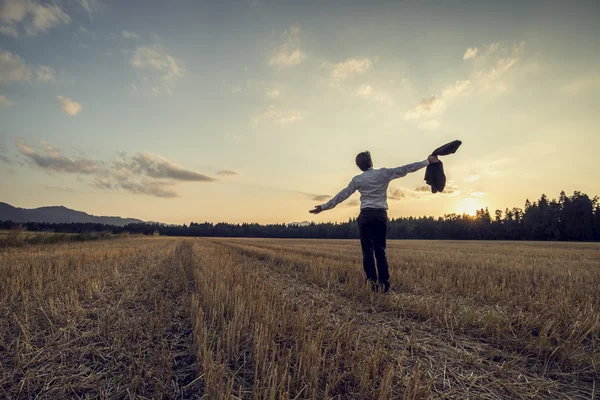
<point x="434" y="174"/>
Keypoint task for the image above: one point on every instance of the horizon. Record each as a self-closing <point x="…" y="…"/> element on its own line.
<point x="251" y="111"/>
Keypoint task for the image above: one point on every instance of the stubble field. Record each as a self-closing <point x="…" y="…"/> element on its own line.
<point x="277" y="319"/>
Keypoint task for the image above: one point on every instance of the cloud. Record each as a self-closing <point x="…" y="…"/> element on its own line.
<point x="148" y="174"/>
<point x="473" y="178"/>
<point x="157" y="166"/>
<point x="352" y="203"/>
<point x="396" y="194"/>
<point x="51" y="159"/>
<point x="30" y="16"/>
<point x="91" y="6"/>
<point x="321" y="197"/>
<point x="3" y="155"/>
<point x="457" y="89"/>
<point x="367" y="91"/>
<point x="103" y="183"/>
<point x="142" y="173"/>
<point x="489" y="71"/>
<point x="288" y="54"/>
<point x="276" y="116"/>
<point x="4" y="102"/>
<point x="488" y="74"/>
<point x="45" y="74"/>
<point x="471" y="52"/>
<point x="69" y="106"/>
<point x="131" y="35"/>
<point x="152" y="188"/>
<point x="424" y="191"/>
<point x="427" y="108"/>
<point x="227" y="172"/>
<point x="161" y="66"/>
<point x="284" y="58"/>
<point x="272" y="94"/>
<point x="13" y="68"/>
<point x="348" y="68"/>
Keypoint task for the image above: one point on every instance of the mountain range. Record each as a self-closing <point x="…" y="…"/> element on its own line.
<point x="58" y="214"/>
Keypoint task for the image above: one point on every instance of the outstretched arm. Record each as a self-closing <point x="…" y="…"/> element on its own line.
<point x="337" y="199"/>
<point x="399" y="172"/>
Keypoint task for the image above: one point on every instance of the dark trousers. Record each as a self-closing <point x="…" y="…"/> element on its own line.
<point x="372" y="224"/>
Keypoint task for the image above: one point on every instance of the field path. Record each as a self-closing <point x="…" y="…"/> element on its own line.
<point x="105" y="322"/>
<point x="456" y="365"/>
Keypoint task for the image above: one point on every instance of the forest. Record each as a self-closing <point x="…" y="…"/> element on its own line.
<point x="568" y="218"/>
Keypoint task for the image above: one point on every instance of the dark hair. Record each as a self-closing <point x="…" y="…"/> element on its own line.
<point x="363" y="161"/>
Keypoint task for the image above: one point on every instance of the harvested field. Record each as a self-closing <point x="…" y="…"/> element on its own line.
<point x="256" y="318"/>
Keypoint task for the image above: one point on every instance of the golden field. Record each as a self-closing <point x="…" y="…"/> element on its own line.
<point x="215" y="318"/>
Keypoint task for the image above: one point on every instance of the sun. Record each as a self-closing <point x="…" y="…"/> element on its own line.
<point x="469" y="206"/>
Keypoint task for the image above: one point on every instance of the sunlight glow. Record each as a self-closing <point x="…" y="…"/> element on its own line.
<point x="469" y="206"/>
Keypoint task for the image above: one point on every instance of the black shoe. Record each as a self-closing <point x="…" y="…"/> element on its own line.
<point x="386" y="287"/>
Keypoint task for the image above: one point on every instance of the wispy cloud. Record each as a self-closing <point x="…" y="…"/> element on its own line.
<point x="157" y="166"/>
<point x="131" y="35"/>
<point x="156" y="64"/>
<point x="4" y="155"/>
<point x="143" y="173"/>
<point x="471" y="52"/>
<point x="45" y="74"/>
<point x="276" y="116"/>
<point x="91" y="6"/>
<point x="30" y="17"/>
<point x="227" y="172"/>
<point x="321" y="197"/>
<point x="4" y="102"/>
<point x="489" y="71"/>
<point x="396" y="194"/>
<point x="51" y="159"/>
<point x="367" y="91"/>
<point x="346" y="69"/>
<point x="427" y="108"/>
<point x="68" y="106"/>
<point x="352" y="203"/>
<point x="148" y="187"/>
<point x="14" y="69"/>
<point x="288" y="53"/>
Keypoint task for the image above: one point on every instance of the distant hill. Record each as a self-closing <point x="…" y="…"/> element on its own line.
<point x="58" y="214"/>
<point x="303" y="223"/>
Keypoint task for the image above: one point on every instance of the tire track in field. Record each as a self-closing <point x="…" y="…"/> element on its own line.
<point x="458" y="365"/>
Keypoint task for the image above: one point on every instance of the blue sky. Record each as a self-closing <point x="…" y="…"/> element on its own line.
<point x="249" y="110"/>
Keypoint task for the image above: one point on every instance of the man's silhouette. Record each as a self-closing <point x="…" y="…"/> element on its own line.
<point x="372" y="185"/>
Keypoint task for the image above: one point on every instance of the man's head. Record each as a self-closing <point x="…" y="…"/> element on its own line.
<point x="363" y="161"/>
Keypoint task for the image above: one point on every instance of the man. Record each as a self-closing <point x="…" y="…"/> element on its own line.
<point x="372" y="185"/>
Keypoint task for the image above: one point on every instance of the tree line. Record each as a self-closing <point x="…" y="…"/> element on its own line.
<point x="575" y="218"/>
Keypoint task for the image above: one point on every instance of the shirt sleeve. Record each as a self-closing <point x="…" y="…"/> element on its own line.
<point x="341" y="196"/>
<point x="399" y="172"/>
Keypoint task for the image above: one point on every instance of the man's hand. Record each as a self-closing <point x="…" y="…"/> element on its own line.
<point x="432" y="159"/>
<point x="316" y="210"/>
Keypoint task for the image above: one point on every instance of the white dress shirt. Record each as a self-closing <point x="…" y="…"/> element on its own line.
<point x="372" y="185"/>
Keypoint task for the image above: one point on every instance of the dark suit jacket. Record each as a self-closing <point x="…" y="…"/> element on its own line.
<point x="434" y="174"/>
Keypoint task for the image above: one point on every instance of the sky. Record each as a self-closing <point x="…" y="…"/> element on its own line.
<point x="253" y="111"/>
